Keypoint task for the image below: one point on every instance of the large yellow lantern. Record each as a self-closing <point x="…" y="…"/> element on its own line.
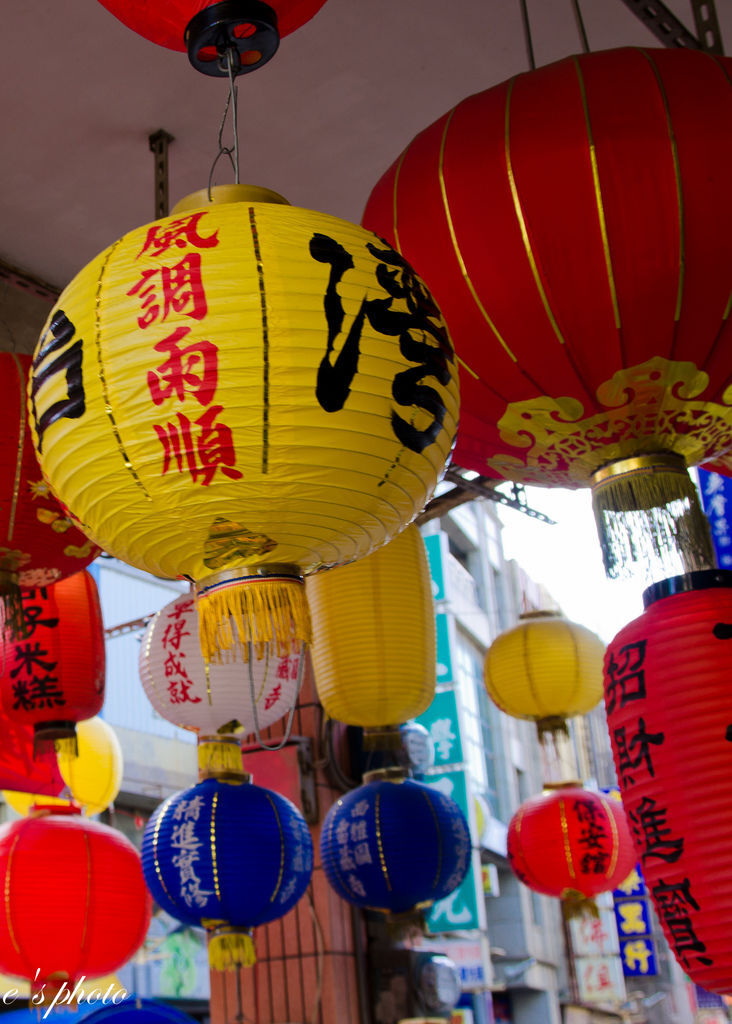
<point x="546" y="669"/>
<point x="93" y="778"/>
<point x="244" y="393"/>
<point x="373" y="651"/>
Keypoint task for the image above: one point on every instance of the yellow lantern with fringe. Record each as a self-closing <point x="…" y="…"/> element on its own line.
<point x="93" y="778"/>
<point x="374" y="650"/>
<point x="546" y="669"/>
<point x="259" y="392"/>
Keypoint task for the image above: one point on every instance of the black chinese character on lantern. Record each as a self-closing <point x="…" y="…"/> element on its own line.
<point x="673" y="902"/>
<point x="647" y="823"/>
<point x="56" y="342"/>
<point x="422" y="340"/>
<point x="627" y="679"/>
<point x="636" y="751"/>
<point x="33" y="684"/>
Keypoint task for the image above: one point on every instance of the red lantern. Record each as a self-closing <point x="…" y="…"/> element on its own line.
<point x="208" y="28"/>
<point x="669" y="709"/>
<point x="574" y="225"/>
<point x="571" y="843"/>
<point x="39" y="543"/>
<point x="54" y="676"/>
<point x="75" y="900"/>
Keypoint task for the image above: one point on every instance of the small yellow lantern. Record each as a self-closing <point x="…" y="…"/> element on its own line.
<point x="546" y="669"/>
<point x="93" y="778"/>
<point x="373" y="651"/>
<point x="244" y="393"/>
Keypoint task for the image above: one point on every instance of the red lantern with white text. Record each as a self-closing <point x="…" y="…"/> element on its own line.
<point x="669" y="708"/>
<point x="75" y="902"/>
<point x="574" y="224"/>
<point x="54" y="676"/>
<point x="570" y="843"/>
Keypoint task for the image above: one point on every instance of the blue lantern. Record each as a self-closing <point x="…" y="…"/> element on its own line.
<point x="395" y="845"/>
<point x="227" y="856"/>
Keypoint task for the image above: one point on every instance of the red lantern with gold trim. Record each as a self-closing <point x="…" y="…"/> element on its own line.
<point x="669" y="711"/>
<point x="207" y="29"/>
<point x="574" y="225"/>
<point x="53" y="676"/>
<point x="571" y="843"/>
<point x="75" y="902"/>
<point x="39" y="543"/>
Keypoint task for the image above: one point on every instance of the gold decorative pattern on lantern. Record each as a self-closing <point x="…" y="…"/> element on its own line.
<point x="646" y="408"/>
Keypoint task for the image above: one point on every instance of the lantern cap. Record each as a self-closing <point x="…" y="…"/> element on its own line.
<point x="220" y="194"/>
<point x="391" y="774"/>
<point x="703" y="579"/>
<point x="41" y="810"/>
<point x="245" y="30"/>
<point x="540" y="613"/>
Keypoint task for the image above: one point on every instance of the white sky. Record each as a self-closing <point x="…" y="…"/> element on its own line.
<point x="566" y="559"/>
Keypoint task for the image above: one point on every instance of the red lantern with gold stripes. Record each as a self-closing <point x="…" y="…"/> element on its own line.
<point x="667" y="695"/>
<point x="53" y="676"/>
<point x="571" y="843"/>
<point x="574" y="225"/>
<point x="75" y="902"/>
<point x="251" y="29"/>
<point x="39" y="543"/>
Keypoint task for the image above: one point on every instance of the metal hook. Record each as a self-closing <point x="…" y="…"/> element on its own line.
<point x="226" y="62"/>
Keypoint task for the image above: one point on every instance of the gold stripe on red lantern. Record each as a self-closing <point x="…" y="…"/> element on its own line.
<point x="670" y="722"/>
<point x="53" y="676"/>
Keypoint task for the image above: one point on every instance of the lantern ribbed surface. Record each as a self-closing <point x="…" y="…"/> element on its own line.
<point x="373" y="650"/>
<point x="164" y="23"/>
<point x="670" y="723"/>
<point x="93" y="777"/>
<point x="570" y="842"/>
<point x="227" y="855"/>
<point x="395" y="846"/>
<point x="39" y="542"/>
<point x="277" y="379"/>
<point x="54" y="677"/>
<point x="203" y="698"/>
<point x="545" y="668"/>
<point x="74" y="897"/>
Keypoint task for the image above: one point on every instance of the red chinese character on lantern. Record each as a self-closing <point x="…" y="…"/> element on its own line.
<point x="174" y="633"/>
<point x="178" y="289"/>
<point x="190" y="369"/>
<point x="272" y="697"/>
<point x="180" y="232"/>
<point x="201" y="452"/>
<point x="179" y="682"/>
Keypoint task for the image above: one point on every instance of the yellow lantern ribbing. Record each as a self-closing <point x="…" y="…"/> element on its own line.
<point x="373" y="651"/>
<point x="244" y="393"/>
<point x="546" y="669"/>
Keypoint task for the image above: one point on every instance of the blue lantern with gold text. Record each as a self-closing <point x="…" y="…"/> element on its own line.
<point x="227" y="856"/>
<point x="395" y="845"/>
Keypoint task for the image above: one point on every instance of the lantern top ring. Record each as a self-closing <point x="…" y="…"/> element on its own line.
<point x="667" y="462"/>
<point x="390" y="774"/>
<point x="220" y="194"/>
<point x="703" y="579"/>
<point x="246" y="29"/>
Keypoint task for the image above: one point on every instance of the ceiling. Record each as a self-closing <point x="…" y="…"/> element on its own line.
<point x="319" y="123"/>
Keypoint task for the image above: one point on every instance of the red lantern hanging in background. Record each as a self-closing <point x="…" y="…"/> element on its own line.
<point x="39" y="543"/>
<point x="669" y="710"/>
<point x="571" y="843"/>
<point x="208" y="28"/>
<point x="54" y="676"/>
<point x="75" y="902"/>
<point x="574" y="225"/>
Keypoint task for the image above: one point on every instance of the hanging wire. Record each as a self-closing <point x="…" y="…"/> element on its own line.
<point x="527" y="35"/>
<point x="580" y="26"/>
<point x="232" y="152"/>
<point x="291" y="714"/>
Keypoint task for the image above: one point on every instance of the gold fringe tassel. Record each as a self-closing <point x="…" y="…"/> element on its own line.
<point x="55" y="736"/>
<point x="229" y="949"/>
<point x="647" y="510"/>
<point x="258" y="611"/>
<point x="576" y="904"/>
<point x="219" y="755"/>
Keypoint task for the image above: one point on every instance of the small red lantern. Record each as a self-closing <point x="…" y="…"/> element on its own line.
<point x="75" y="900"/>
<point x="571" y="843"/>
<point x="207" y="29"/>
<point x="574" y="225"/>
<point x="667" y="694"/>
<point x="39" y="543"/>
<point x="53" y="676"/>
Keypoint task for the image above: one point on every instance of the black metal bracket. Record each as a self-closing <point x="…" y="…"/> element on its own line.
<point x="159" y="142"/>
<point x="672" y="32"/>
<point x="468" y="488"/>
